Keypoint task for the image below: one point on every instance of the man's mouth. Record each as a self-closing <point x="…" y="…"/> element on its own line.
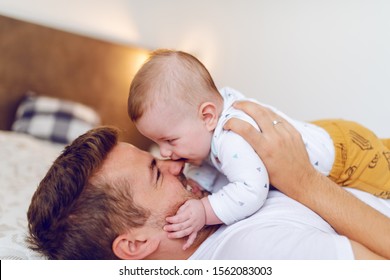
<point x="183" y="180"/>
<point x="194" y="190"/>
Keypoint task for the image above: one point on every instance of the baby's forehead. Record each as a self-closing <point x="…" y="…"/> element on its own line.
<point x="169" y="107"/>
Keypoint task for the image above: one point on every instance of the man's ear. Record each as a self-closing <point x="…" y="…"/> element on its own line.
<point x="127" y="247"/>
<point x="209" y="115"/>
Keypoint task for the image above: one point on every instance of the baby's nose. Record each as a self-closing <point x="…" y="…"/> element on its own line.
<point x="165" y="153"/>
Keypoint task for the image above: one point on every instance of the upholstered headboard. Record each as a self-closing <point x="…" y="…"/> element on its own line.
<point x="65" y="65"/>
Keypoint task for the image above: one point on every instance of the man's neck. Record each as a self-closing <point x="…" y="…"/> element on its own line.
<point x="205" y="233"/>
<point x="172" y="249"/>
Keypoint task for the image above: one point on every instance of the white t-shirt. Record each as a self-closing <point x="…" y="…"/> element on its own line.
<point x="283" y="229"/>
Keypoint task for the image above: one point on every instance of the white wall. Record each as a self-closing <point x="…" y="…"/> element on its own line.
<point x="311" y="58"/>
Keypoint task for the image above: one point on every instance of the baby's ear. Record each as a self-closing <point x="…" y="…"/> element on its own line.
<point x="209" y="115"/>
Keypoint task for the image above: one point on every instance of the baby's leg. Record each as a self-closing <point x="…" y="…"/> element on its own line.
<point x="386" y="142"/>
<point x="362" y="159"/>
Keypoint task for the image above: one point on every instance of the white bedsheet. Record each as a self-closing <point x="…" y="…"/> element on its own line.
<point x="24" y="161"/>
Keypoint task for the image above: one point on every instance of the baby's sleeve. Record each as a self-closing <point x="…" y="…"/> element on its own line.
<point x="248" y="179"/>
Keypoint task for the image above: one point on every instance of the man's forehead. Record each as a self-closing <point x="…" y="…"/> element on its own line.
<point x="126" y="145"/>
<point x="127" y="162"/>
<point x="124" y="152"/>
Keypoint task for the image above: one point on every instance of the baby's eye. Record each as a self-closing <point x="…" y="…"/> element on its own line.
<point x="171" y="141"/>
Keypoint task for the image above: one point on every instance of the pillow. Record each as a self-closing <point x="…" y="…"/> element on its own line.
<point x="54" y="119"/>
<point x="15" y="247"/>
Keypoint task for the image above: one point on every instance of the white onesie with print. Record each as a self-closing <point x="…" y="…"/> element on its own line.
<point x="248" y="179"/>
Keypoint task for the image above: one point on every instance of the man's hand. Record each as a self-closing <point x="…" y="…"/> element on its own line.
<point x="189" y="219"/>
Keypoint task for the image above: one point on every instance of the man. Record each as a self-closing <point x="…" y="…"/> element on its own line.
<point x="104" y="200"/>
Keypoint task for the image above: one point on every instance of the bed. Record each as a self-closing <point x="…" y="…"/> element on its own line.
<point x="54" y="85"/>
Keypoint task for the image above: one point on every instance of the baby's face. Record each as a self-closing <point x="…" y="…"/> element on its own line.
<point x="179" y="134"/>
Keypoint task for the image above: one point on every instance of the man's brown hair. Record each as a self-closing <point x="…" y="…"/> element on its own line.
<point x="75" y="213"/>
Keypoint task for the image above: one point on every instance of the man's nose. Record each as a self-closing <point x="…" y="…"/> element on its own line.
<point x="172" y="166"/>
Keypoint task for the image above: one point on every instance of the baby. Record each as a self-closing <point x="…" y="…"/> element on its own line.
<point x="174" y="102"/>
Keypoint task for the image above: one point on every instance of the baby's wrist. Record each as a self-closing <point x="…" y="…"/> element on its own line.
<point x="204" y="210"/>
<point x="210" y="217"/>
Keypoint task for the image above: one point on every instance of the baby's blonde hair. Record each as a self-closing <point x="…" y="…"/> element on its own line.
<point x="170" y="76"/>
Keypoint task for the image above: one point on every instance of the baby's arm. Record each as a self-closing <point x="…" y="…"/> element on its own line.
<point x="248" y="177"/>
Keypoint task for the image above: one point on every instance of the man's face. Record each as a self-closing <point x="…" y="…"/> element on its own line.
<point x="156" y="185"/>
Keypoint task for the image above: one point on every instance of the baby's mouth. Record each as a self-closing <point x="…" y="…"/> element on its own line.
<point x="192" y="161"/>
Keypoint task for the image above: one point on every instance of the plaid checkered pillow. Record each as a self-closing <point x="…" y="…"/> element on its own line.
<point x="54" y="119"/>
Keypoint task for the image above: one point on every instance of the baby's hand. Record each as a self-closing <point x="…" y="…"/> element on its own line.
<point x="189" y="219"/>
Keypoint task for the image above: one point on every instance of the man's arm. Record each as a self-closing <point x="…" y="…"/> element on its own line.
<point x="362" y="253"/>
<point x="280" y="146"/>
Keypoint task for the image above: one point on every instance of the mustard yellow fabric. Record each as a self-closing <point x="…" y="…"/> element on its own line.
<point x="362" y="160"/>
